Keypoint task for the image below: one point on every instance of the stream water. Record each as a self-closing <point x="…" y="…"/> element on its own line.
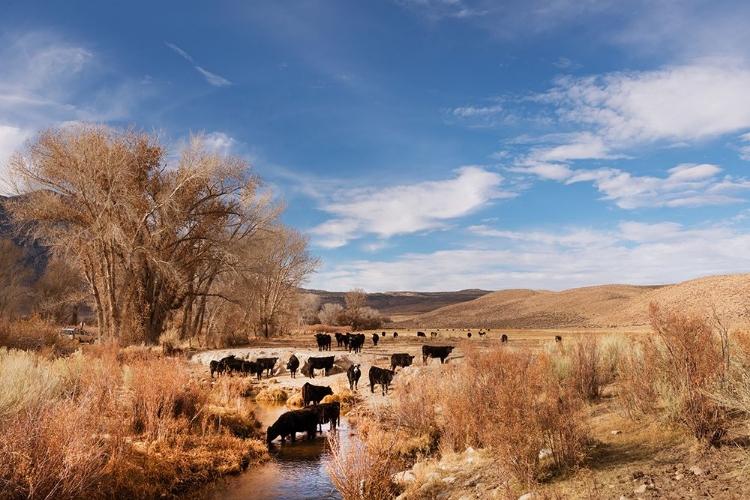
<point x="296" y="471"/>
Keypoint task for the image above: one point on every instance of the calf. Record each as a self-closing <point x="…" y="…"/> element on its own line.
<point x="322" y="363"/>
<point x="292" y="365"/>
<point x="292" y="422"/>
<point x="353" y="373"/>
<point x="314" y="393"/>
<point x="375" y="338"/>
<point x="441" y="352"/>
<point x="324" y="341"/>
<point x="265" y="364"/>
<point x="328" y="413"/>
<point x="380" y="376"/>
<point x="401" y="359"/>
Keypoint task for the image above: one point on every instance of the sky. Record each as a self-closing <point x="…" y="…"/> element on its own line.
<point x="431" y="145"/>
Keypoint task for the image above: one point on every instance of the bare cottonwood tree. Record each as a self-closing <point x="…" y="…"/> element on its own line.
<point x="59" y="292"/>
<point x="355" y="301"/>
<point x="308" y="310"/>
<point x="150" y="233"/>
<point x="329" y="313"/>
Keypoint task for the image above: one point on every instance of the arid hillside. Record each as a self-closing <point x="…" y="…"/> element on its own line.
<point x="596" y="307"/>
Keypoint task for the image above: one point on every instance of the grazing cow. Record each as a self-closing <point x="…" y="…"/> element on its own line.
<point x="265" y="364"/>
<point x="375" y="338"/>
<point x="468" y="335"/>
<point x="356" y="342"/>
<point x="558" y="338"/>
<point x="231" y="365"/>
<point x="504" y="338"/>
<point x="380" y="376"/>
<point x="324" y="341"/>
<point x="292" y="365"/>
<point x="433" y="334"/>
<point x="353" y="373"/>
<point x="382" y="334"/>
<point x="482" y="334"/>
<point x="400" y="359"/>
<point x="442" y="352"/>
<point x="323" y="363"/>
<point x="421" y="334"/>
<point x="328" y="413"/>
<point x="395" y="334"/>
<point x="292" y="422"/>
<point x="314" y="393"/>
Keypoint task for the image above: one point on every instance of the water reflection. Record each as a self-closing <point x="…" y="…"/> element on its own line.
<point x="296" y="471"/>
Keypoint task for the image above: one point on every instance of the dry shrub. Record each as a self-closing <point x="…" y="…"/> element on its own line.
<point x="164" y="400"/>
<point x="295" y="400"/>
<point x="681" y="365"/>
<point x="364" y="467"/>
<point x="33" y="334"/>
<point x="587" y="374"/>
<point x="734" y="394"/>
<point x="272" y="394"/>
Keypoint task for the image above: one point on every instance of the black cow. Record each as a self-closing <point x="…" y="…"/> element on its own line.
<point x="421" y="334"/>
<point x="503" y="338"/>
<point x="442" y="352"/>
<point x="339" y="339"/>
<point x="558" y="338"/>
<point x="382" y="334"/>
<point x="356" y="342"/>
<point x="380" y="376"/>
<point x="468" y="334"/>
<point x="232" y="365"/>
<point x="433" y="334"/>
<point x="292" y="365"/>
<point x="314" y="393"/>
<point x="292" y="422"/>
<point x="324" y="341"/>
<point x="375" y="338"/>
<point x="220" y="366"/>
<point x="322" y="363"/>
<point x="401" y="359"/>
<point x="353" y="373"/>
<point x="482" y="334"/>
<point x="395" y="334"/>
<point x="328" y="413"/>
<point x="265" y="364"/>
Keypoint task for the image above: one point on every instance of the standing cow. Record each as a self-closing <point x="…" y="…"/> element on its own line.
<point x="292" y="365"/>
<point x="353" y="373"/>
<point x="314" y="393"/>
<point x="441" y="352"/>
<point x="380" y="376"/>
<point x="375" y="338"/>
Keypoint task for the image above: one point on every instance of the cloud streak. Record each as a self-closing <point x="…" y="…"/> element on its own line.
<point x="211" y="78"/>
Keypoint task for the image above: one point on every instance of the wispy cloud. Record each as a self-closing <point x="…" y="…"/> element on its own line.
<point x="630" y="252"/>
<point x="407" y="209"/>
<point x="211" y="78"/>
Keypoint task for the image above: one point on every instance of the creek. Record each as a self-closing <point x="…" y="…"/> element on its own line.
<point x="296" y="471"/>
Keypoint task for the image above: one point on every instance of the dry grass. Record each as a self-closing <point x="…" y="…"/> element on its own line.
<point x="111" y="423"/>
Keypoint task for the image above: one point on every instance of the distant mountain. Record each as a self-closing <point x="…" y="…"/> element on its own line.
<point x="596" y="307"/>
<point x="396" y="304"/>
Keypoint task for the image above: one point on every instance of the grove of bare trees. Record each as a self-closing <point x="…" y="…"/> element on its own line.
<point x="162" y="240"/>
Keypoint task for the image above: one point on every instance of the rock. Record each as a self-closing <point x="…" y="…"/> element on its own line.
<point x="544" y="453"/>
<point x="449" y="480"/>
<point x="696" y="470"/>
<point x="614" y="433"/>
<point x="406" y="476"/>
<point x="527" y="496"/>
<point x="679" y="476"/>
<point x="641" y="489"/>
<point x="470" y="450"/>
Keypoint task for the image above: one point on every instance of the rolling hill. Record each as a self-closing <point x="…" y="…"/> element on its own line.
<point x="595" y="307"/>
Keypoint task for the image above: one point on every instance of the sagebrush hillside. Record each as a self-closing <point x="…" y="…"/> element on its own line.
<point x="595" y="307"/>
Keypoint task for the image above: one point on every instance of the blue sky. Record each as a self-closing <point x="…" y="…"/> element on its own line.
<point x="432" y="145"/>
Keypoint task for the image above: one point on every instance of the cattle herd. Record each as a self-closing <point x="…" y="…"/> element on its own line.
<point x="315" y="412"/>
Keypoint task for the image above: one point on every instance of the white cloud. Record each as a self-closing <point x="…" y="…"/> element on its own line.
<point x="630" y="253"/>
<point x="219" y="142"/>
<point x="211" y="78"/>
<point x="407" y="209"/>
<point x="681" y="103"/>
<point x="11" y="138"/>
